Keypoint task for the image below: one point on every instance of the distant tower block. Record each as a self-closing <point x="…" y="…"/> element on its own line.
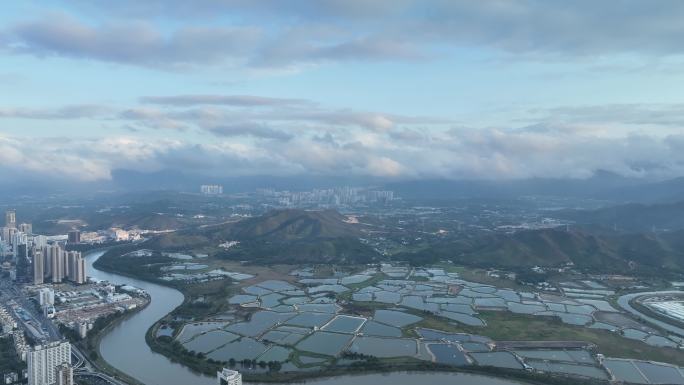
<point x="11" y="219"/>
<point x="211" y="189"/>
<point x="74" y="237"/>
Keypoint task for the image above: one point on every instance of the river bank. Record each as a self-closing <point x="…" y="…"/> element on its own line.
<point x="124" y="347"/>
<point x="93" y="345"/>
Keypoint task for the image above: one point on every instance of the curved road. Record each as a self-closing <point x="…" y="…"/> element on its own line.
<point x="624" y="301"/>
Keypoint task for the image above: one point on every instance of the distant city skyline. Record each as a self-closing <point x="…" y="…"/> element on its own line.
<point x="398" y="89"/>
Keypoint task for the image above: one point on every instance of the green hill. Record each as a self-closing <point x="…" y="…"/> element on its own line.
<point x="289" y="225"/>
<point x="618" y="253"/>
<point x="279" y="236"/>
<point x="632" y="217"/>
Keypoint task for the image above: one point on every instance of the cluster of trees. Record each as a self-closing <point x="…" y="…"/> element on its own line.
<point x="69" y="333"/>
<point x="273" y="366"/>
<point x="530" y="277"/>
<point x="175" y="346"/>
<point x="358" y="356"/>
<point x="9" y="360"/>
<point x="147" y="267"/>
<point x="366" y="362"/>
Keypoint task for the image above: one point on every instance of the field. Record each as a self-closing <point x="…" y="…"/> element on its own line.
<point x="207" y="299"/>
<point x="505" y="326"/>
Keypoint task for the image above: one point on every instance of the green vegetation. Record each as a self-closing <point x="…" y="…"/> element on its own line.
<point x="362" y="364"/>
<point x="201" y="301"/>
<point x="177" y="353"/>
<point x="9" y="360"/>
<point x="631" y="217"/>
<point x="323" y="238"/>
<point x="337" y="250"/>
<point x="371" y="282"/>
<point x="480" y="275"/>
<point x="205" y="299"/>
<point x="292" y="236"/>
<point x="643" y="254"/>
<point x="287" y="225"/>
<point x="369" y="365"/>
<point x="506" y="326"/>
<point x="87" y="247"/>
<point x="197" y="361"/>
<point x="147" y="267"/>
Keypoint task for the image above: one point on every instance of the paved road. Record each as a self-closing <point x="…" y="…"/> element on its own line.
<point x="84" y="367"/>
<point x="623" y="302"/>
<point x="101" y="376"/>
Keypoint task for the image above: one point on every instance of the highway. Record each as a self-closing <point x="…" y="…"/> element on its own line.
<point x="101" y="376"/>
<point x="83" y="367"/>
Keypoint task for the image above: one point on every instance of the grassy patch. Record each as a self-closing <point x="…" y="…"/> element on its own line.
<point x="371" y="282"/>
<point x="506" y="326"/>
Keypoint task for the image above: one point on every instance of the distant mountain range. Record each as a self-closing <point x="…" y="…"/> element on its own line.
<point x="301" y="236"/>
<point x="521" y="250"/>
<point x="602" y="185"/>
<point x="304" y="236"/>
<point x="129" y="180"/>
<point x="633" y="217"/>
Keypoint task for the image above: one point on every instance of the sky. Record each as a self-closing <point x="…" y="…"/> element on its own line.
<point x="394" y="89"/>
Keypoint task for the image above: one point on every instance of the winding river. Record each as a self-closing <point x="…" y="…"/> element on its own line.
<point x="124" y="347"/>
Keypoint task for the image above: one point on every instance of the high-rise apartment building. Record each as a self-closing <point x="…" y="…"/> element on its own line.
<point x="80" y="277"/>
<point x="57" y="265"/>
<point x="26" y="228"/>
<point x="11" y="219"/>
<point x="74" y="236"/>
<point x="75" y="267"/>
<point x="53" y="263"/>
<point x="44" y="361"/>
<point x="40" y="241"/>
<point x="211" y="189"/>
<point x="64" y="375"/>
<point x="17" y="238"/>
<point x="38" y="266"/>
<point x="46" y="297"/>
<point x="21" y="251"/>
<point x="6" y="233"/>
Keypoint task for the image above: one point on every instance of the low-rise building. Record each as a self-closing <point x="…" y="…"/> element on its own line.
<point x="228" y="377"/>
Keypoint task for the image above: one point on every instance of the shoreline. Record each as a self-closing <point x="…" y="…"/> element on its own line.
<point x="102" y="364"/>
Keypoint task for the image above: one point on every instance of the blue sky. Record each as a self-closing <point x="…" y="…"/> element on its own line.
<point x="390" y="88"/>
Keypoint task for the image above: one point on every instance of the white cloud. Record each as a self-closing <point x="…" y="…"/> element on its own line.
<point x="463" y="153"/>
<point x="282" y="34"/>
